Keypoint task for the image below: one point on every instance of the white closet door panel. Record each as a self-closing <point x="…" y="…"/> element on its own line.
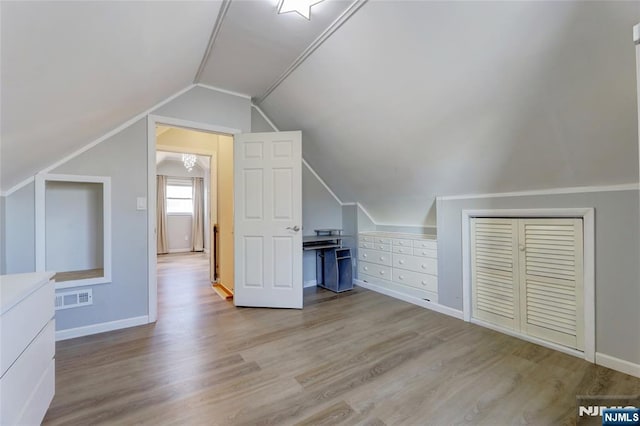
<point x="551" y="257"/>
<point x="495" y="271"/>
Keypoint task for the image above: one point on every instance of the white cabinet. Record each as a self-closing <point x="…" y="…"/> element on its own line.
<point x="403" y="263"/>
<point x="527" y="275"/>
<point x="27" y="347"/>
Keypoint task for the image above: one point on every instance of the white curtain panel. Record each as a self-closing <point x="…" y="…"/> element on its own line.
<point x="197" y="224"/>
<point x="161" y="215"/>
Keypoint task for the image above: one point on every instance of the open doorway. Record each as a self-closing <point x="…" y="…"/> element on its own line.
<point x="194" y="206"/>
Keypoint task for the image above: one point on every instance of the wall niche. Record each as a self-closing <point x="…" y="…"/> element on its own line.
<point x="73" y="228"/>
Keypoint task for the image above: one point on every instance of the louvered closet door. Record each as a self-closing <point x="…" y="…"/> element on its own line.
<point x="551" y="256"/>
<point x="494" y="266"/>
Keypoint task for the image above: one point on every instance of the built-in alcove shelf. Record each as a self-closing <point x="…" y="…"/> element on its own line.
<point x="79" y="275"/>
<point x="73" y="228"/>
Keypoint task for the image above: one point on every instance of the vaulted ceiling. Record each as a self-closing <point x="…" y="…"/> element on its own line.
<point x="398" y="101"/>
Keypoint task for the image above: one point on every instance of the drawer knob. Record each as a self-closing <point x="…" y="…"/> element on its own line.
<point x="401" y="262"/>
<point x="380" y="241"/>
<point x="423" y="282"/>
<point x="381" y="272"/>
<point x="366" y="268"/>
<point x="382" y="258"/>
<point x="424" y="266"/>
<point x="401" y="277"/>
<point x="424" y="252"/>
<point x="364" y="255"/>
<point x="381" y="247"/>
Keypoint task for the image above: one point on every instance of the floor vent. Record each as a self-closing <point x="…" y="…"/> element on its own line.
<point x="74" y="299"/>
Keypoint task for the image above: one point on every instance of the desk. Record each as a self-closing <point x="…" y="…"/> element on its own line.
<point x="334" y="270"/>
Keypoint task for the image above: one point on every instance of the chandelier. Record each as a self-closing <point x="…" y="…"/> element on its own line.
<point x="189" y="160"/>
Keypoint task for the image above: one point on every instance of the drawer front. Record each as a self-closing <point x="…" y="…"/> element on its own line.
<point x="23" y="322"/>
<point x="378" y="271"/>
<point x="423" y="265"/>
<point x="366" y="245"/>
<point x="381" y="240"/>
<point x="375" y="256"/>
<point x="382" y="247"/>
<point x="424" y="252"/>
<point x="366" y="238"/>
<point x="402" y="242"/>
<point x="416" y="279"/>
<point x="426" y="244"/>
<point x="25" y="375"/>
<point x="402" y="250"/>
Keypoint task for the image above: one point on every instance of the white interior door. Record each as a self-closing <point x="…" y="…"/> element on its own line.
<point x="268" y="219"/>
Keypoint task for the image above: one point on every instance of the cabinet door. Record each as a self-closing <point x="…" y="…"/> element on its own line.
<point x="551" y="257"/>
<point x="494" y="269"/>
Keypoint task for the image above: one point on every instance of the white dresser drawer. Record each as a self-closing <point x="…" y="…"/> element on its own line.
<point x="402" y="242"/>
<point x="426" y="244"/>
<point x="423" y="252"/>
<point x="375" y="256"/>
<point x="364" y="244"/>
<point x="25" y="376"/>
<point x="22" y="322"/>
<point x="402" y="250"/>
<point x="382" y="247"/>
<point x="378" y="271"/>
<point x="366" y="238"/>
<point x="382" y="240"/>
<point x="414" y="263"/>
<point x="416" y="279"/>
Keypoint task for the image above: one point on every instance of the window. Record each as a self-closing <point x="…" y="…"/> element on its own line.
<point x="179" y="197"/>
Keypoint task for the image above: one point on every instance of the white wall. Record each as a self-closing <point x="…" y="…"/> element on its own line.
<point x="74" y="226"/>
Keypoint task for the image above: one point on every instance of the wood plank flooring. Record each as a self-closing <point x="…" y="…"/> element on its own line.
<point x="357" y="358"/>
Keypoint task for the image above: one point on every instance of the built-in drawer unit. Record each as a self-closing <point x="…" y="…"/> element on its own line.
<point x="379" y="271"/>
<point x="423" y="252"/>
<point x="416" y="279"/>
<point x="27" y="347"/>
<point x="375" y="256"/>
<point x="403" y="263"/>
<point x="426" y="265"/>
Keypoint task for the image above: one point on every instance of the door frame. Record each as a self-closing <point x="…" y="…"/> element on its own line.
<point x="152" y="121"/>
<point x="588" y="217"/>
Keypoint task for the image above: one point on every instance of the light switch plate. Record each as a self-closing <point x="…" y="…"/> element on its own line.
<point x="141" y="203"/>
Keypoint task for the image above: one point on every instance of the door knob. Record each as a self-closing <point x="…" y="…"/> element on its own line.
<point x="294" y="228"/>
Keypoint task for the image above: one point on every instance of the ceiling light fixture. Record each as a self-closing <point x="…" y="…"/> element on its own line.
<point x="301" y="7"/>
<point x="189" y="160"/>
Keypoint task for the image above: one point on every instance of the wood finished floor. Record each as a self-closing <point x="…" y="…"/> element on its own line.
<point x="358" y="358"/>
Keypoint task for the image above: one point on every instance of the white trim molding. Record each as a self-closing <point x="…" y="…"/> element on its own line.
<point x="618" y="364"/>
<point x="152" y="122"/>
<point x="222" y="12"/>
<point x="225" y="91"/>
<point x="40" y="225"/>
<point x="550" y="191"/>
<point x="102" y="327"/>
<point x="636" y="34"/>
<point x="410" y="299"/>
<point x="588" y="216"/>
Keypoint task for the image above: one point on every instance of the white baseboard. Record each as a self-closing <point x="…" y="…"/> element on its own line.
<point x="182" y="250"/>
<point x="411" y="299"/>
<point x="310" y="283"/>
<point x="102" y="327"/>
<point x="206" y="251"/>
<point x="618" y="364"/>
